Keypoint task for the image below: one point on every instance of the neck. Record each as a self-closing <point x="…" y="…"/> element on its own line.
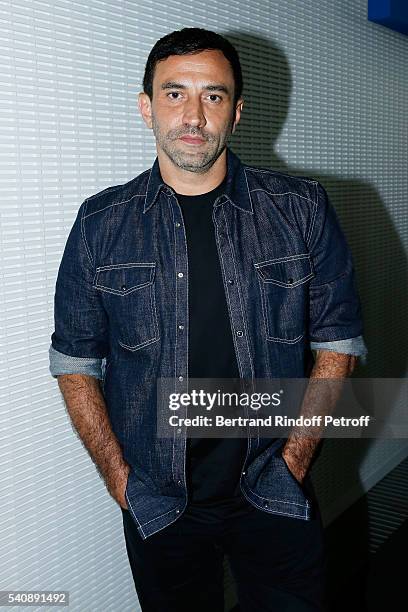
<point x="192" y="183"/>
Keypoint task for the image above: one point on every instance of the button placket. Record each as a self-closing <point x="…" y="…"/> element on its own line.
<point x="237" y="315"/>
<point x="181" y="339"/>
<point x="232" y="294"/>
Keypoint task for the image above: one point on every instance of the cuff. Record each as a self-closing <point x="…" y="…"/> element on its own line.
<point x="351" y="346"/>
<point x="66" y="364"/>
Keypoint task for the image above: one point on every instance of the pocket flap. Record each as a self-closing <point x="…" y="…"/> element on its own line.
<point x="125" y="278"/>
<point x="287" y="271"/>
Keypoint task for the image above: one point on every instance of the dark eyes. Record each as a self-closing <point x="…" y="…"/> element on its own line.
<point x="211" y="96"/>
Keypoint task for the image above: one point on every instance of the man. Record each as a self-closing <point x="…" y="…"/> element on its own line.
<point x="204" y="267"/>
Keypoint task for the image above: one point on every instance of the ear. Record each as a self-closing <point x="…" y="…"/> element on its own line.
<point x="145" y="108"/>
<point x="238" y="110"/>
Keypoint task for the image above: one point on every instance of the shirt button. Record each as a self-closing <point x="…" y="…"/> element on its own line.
<point x="231" y="281"/>
<point x="177" y="511"/>
<point x="177" y="224"/>
<point x="180" y="275"/>
<point x="179" y="483"/>
<point x="243" y="473"/>
<point x="180" y="378"/>
<point x="240" y="333"/>
<point x="181" y="326"/>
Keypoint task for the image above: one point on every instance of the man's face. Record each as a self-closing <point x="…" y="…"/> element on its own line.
<point x="192" y="98"/>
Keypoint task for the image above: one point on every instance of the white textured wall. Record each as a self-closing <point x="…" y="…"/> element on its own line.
<point x="326" y="96"/>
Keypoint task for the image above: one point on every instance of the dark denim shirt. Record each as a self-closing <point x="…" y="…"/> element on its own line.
<point x="121" y="314"/>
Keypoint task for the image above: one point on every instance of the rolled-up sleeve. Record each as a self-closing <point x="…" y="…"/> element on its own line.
<point x="335" y="322"/>
<point x="79" y="343"/>
<point x="65" y="364"/>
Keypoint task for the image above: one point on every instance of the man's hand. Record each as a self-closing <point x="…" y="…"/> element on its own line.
<point x="89" y="416"/>
<point x="296" y="468"/>
<point x="299" y="449"/>
<point x="117" y="485"/>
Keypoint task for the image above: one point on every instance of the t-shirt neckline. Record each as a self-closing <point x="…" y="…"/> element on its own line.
<point x="205" y="195"/>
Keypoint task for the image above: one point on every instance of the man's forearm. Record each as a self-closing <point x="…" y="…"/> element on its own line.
<point x="87" y="409"/>
<point x="319" y="399"/>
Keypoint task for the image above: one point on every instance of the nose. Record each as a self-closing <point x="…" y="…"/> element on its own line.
<point x="193" y="113"/>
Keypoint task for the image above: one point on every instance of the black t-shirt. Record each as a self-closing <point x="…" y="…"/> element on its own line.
<point x="213" y="465"/>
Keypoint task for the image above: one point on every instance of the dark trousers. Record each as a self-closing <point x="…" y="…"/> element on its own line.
<point x="278" y="563"/>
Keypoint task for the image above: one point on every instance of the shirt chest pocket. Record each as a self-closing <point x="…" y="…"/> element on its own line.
<point x="284" y="290"/>
<point x="129" y="296"/>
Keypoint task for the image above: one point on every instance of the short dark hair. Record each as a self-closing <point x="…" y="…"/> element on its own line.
<point x="188" y="41"/>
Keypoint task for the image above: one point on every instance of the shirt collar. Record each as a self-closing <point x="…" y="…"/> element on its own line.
<point x="236" y="188"/>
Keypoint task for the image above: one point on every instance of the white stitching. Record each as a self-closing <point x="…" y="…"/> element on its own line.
<point x="133" y="513"/>
<point x="284" y="193"/>
<point x="157" y="517"/>
<point x="155" y="322"/>
<point x="83" y="234"/>
<point x="314" y="214"/>
<point x="261" y="284"/>
<point x="187" y="327"/>
<point x="282" y="501"/>
<point x="263" y="307"/>
<point x="154" y="309"/>
<point x="176" y="338"/>
<point x="286" y="341"/>
<point x="111" y="188"/>
<point x="279" y="283"/>
<point x="243" y="315"/>
<point x="130" y="264"/>
<point x="136" y="195"/>
<point x="138" y="346"/>
<point x="163" y="526"/>
<point x="306" y="506"/>
<point x="242" y="306"/>
<point x="249" y="192"/>
<point x="147" y="187"/>
<point x="226" y="291"/>
<point x="265" y="509"/>
<point x="284" y="174"/>
<point x="126" y="292"/>
<point x="150" y="283"/>
<point x="279" y="259"/>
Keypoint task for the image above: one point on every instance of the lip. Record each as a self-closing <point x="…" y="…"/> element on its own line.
<point x="192" y="140"/>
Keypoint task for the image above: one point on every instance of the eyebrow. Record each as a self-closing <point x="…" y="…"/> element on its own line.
<point x="215" y="87"/>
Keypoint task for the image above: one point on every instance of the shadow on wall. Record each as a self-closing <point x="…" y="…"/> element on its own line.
<point x="379" y="257"/>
